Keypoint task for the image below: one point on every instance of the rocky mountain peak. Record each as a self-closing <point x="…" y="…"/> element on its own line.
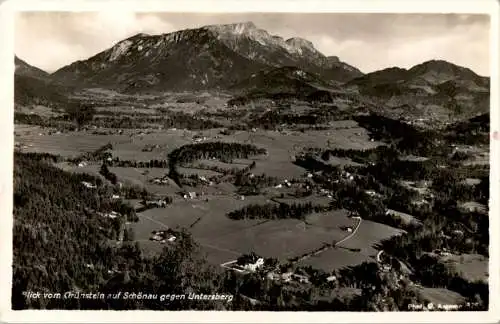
<point x="236" y="28"/>
<point x="23" y="68"/>
<point x="333" y="59"/>
<point x="438" y="71"/>
<point x="299" y="44"/>
<point x="200" y="57"/>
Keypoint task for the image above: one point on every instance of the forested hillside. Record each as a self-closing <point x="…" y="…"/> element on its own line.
<point x="61" y="245"/>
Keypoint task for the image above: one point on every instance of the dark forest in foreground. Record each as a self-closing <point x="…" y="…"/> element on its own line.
<point x="66" y="248"/>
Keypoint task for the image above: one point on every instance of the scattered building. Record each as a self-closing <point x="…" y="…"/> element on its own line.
<point x="254" y="266"/>
<point x="300" y="278"/>
<point x="249" y="262"/>
<point x="160" y="181"/>
<point x="163" y="236"/>
<point x="287" y="276"/>
<point x="372" y="193"/>
<point x="331" y="278"/>
<point x="273" y="276"/>
<point x="347" y="175"/>
<point x="474" y="207"/>
<point x="386" y="267"/>
<point x="89" y="185"/>
<point x="112" y="214"/>
<point x="199" y="138"/>
<point x="189" y="195"/>
<point x="160" y="203"/>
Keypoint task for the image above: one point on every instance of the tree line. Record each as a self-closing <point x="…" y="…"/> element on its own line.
<point x="208" y="150"/>
<point x="276" y="211"/>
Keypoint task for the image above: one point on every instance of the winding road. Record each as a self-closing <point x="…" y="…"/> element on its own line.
<point x="353" y="232"/>
<point x="328" y="246"/>
<point x="238" y="253"/>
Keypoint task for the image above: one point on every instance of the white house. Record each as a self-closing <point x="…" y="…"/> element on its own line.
<point x="301" y="278"/>
<point x="371" y="193"/>
<point x="287" y="276"/>
<point x="272" y="276"/>
<point x="82" y="164"/>
<point x="386" y="267"/>
<point x="115" y="197"/>
<point x="331" y="278"/>
<point x="88" y="184"/>
<point x="254" y="266"/>
<point x="113" y="214"/>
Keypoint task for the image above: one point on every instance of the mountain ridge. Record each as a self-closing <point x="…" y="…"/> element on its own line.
<point x="242" y="47"/>
<point x="26" y="69"/>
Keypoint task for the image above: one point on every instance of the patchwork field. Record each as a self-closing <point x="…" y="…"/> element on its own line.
<point x="282" y="239"/>
<point x="222" y="165"/>
<point x="313" y="199"/>
<point x="336" y="258"/>
<point x="132" y="149"/>
<point x="368" y="234"/>
<point x="64" y="144"/>
<point x="337" y="161"/>
<point x="220" y="238"/>
<point x="332" y="220"/>
<point x="473" y="267"/>
<point x="441" y="296"/>
<point x="92" y="169"/>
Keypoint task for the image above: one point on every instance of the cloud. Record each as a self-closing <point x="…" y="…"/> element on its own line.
<point x="50" y="41"/>
<point x="370" y="42"/>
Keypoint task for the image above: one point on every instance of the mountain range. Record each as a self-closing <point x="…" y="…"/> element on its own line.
<point x="35" y="86"/>
<point x="215" y="56"/>
<point x="249" y="61"/>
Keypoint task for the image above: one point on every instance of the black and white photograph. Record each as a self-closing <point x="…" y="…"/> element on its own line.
<point x="251" y="161"/>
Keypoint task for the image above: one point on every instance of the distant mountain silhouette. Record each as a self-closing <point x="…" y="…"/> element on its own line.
<point x="33" y="86"/>
<point x="434" y="88"/>
<point x="215" y="56"/>
<point x="253" y="64"/>
<point x="25" y="69"/>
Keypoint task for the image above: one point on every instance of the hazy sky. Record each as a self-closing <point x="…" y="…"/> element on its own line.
<point x="50" y="40"/>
